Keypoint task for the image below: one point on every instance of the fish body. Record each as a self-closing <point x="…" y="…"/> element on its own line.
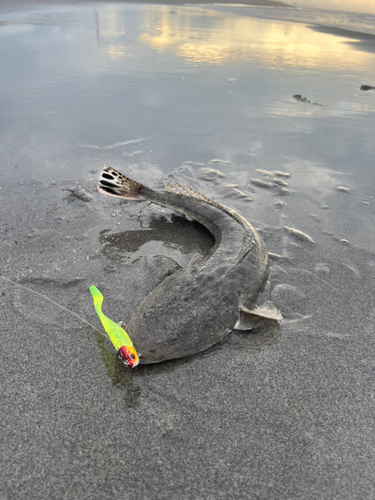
<point x="119" y="338"/>
<point x="197" y="306"/>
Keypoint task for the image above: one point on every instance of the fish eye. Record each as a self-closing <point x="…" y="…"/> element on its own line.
<point x="132" y="357"/>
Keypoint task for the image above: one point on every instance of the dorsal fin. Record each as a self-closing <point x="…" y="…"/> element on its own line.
<point x="176" y="188"/>
<point x="189" y="192"/>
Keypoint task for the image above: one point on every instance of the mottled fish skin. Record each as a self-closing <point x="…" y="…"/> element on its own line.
<point x="195" y="307"/>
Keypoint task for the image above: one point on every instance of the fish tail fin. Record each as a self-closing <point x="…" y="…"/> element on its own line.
<point x="98" y="299"/>
<point x="114" y="183"/>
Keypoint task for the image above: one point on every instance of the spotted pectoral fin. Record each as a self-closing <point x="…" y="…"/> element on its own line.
<point x="249" y="319"/>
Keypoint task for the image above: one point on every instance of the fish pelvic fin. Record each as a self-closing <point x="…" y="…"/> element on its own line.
<point x="114" y="183"/>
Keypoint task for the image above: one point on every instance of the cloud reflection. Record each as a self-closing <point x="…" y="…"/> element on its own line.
<point x="200" y="36"/>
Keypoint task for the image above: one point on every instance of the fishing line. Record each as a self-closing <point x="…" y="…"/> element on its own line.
<point x="55" y="303"/>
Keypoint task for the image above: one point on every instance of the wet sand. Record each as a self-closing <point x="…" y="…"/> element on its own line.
<point x="363" y="41"/>
<point x="274" y="414"/>
<point x="282" y="408"/>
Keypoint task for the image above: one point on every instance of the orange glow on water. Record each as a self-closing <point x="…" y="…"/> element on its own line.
<point x="210" y="37"/>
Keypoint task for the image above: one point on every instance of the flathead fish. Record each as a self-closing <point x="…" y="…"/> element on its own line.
<point x="196" y="306"/>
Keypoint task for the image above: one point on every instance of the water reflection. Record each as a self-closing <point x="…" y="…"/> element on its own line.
<point x="207" y="37"/>
<point x="187" y="236"/>
<point x="193" y="84"/>
<point x="201" y="37"/>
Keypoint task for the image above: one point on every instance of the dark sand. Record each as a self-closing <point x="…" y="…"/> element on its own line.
<point x="362" y="41"/>
<point x="276" y="414"/>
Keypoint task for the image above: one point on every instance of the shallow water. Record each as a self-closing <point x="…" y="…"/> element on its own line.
<point x="207" y="98"/>
<point x="80" y="86"/>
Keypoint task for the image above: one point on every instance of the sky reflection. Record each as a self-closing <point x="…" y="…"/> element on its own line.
<point x="204" y="37"/>
<point x="187" y="84"/>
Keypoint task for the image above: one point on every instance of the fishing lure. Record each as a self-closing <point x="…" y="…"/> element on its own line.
<point x="119" y="338"/>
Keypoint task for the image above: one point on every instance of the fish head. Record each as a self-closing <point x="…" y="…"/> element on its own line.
<point x="128" y="356"/>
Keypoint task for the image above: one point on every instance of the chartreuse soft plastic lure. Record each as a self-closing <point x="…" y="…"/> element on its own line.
<point x="119" y="338"/>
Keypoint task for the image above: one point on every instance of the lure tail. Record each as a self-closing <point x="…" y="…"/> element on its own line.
<point x="98" y="299"/>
